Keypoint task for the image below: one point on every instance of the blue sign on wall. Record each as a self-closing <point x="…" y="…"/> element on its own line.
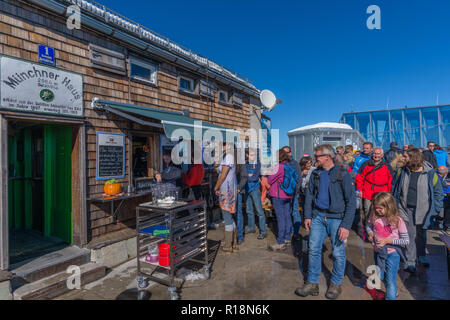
<point x="46" y="55"/>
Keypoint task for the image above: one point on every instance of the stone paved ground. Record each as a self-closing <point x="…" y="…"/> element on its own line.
<point x="257" y="273"/>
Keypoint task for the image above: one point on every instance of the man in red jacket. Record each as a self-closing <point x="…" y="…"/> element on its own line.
<point x="373" y="176"/>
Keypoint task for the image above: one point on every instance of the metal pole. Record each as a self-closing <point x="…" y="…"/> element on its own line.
<point x="403" y="127"/>
<point x="421" y="128"/>
<point x="390" y="127"/>
<point x="4" y="229"/>
<point x="441" y="142"/>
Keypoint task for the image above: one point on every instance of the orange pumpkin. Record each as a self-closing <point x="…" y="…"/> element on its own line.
<point x="112" y="188"/>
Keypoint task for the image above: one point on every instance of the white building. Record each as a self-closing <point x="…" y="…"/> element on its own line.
<point x="303" y="140"/>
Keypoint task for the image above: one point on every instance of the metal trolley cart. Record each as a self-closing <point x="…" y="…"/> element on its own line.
<point x="181" y="225"/>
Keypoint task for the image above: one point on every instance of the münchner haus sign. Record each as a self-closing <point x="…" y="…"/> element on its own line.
<point x="32" y="87"/>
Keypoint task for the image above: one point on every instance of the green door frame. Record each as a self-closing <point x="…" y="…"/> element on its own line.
<point x="58" y="182"/>
<point x="79" y="187"/>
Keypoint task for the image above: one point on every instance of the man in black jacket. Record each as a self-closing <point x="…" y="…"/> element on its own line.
<point x="428" y="154"/>
<point x="330" y="206"/>
<point x="242" y="177"/>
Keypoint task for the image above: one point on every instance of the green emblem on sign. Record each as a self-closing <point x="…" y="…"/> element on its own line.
<point x="47" y="95"/>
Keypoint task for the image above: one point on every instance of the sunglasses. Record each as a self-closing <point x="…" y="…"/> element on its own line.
<point x="319" y="155"/>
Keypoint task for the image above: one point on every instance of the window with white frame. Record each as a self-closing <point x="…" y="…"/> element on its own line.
<point x="143" y="70"/>
<point x="223" y="96"/>
<point x="187" y="84"/>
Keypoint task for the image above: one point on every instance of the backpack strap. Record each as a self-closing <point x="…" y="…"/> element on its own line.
<point x="435" y="179"/>
<point x="373" y="170"/>
<point x="363" y="166"/>
<point x="315" y="175"/>
<point x="340" y="178"/>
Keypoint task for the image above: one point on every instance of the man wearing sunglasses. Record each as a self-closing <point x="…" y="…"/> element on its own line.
<point x="428" y="154"/>
<point x="330" y="206"/>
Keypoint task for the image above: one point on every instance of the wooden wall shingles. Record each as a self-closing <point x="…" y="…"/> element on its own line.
<point x="23" y="28"/>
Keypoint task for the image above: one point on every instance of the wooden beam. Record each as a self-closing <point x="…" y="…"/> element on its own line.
<point x="83" y="184"/>
<point x="76" y="184"/>
<point x="4" y="242"/>
<point x="129" y="141"/>
<point x="40" y="118"/>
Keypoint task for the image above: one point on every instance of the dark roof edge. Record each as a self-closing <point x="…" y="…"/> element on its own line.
<point x="99" y="18"/>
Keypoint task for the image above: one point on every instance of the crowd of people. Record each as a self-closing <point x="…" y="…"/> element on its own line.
<point x="391" y="198"/>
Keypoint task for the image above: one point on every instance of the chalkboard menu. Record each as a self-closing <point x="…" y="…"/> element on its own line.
<point x="143" y="184"/>
<point x="110" y="155"/>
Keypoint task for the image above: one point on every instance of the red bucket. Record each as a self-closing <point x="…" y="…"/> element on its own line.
<point x="164" y="261"/>
<point x="164" y="254"/>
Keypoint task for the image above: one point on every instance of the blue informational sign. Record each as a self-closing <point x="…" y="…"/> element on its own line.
<point x="46" y="55"/>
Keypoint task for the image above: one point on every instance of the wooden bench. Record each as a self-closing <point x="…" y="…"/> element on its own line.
<point x="446" y="239"/>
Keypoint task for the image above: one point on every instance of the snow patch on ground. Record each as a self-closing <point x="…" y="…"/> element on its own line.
<point x="190" y="275"/>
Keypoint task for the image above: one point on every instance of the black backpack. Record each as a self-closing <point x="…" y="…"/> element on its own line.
<point x="339" y="179"/>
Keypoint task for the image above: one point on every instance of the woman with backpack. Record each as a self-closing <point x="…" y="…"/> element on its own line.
<point x="281" y="202"/>
<point x="419" y="197"/>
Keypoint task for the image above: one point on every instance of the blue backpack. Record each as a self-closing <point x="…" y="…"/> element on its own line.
<point x="290" y="180"/>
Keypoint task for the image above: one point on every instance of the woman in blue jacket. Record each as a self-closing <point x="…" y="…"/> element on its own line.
<point x="441" y="156"/>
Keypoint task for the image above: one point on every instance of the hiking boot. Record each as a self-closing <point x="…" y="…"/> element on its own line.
<point x="424" y="262"/>
<point x="235" y="241"/>
<point x="309" y="289"/>
<point x="250" y="231"/>
<point x="228" y="243"/>
<point x="334" y="290"/>
<point x="277" y="247"/>
<point x="410" y="269"/>
<point x="262" y="236"/>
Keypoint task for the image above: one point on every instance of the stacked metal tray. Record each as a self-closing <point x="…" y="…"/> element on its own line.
<point x="156" y="205"/>
<point x="186" y="224"/>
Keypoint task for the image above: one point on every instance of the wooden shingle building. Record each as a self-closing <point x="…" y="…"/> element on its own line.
<point x="79" y="106"/>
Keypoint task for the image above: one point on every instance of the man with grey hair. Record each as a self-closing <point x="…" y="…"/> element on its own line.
<point x="329" y="211"/>
<point x="373" y="176"/>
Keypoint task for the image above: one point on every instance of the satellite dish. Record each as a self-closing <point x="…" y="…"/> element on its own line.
<point x="268" y="99"/>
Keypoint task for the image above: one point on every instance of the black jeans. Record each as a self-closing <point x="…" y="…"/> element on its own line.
<point x="447" y="212"/>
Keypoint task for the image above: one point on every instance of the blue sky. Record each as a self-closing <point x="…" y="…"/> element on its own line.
<point x="317" y="56"/>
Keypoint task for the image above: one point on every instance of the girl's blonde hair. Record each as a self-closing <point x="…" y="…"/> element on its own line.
<point x="387" y="201"/>
<point x="397" y="162"/>
<point x="348" y="157"/>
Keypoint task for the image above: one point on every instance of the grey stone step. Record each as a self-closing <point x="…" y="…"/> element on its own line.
<point x="49" y="264"/>
<point x="56" y="285"/>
